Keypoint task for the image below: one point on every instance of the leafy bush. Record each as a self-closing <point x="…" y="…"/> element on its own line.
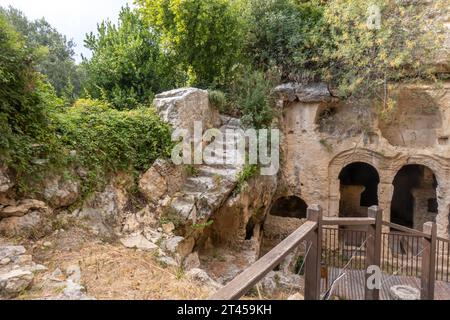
<point x="106" y="140"/>
<point x="284" y="33"/>
<point x="27" y="139"/>
<point x="127" y="67"/>
<point x="248" y="172"/>
<point x="364" y="62"/>
<point x="250" y="93"/>
<point x="218" y="100"/>
<point x="203" y="37"/>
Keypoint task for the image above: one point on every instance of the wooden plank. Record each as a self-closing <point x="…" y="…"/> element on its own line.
<point x="251" y="276"/>
<point x="405" y="229"/>
<point x="429" y="262"/>
<point x="313" y="260"/>
<point x="330" y="221"/>
<point x="373" y="252"/>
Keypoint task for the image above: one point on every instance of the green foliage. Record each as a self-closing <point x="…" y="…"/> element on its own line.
<point x="27" y="139"/>
<point x="203" y="225"/>
<point x="54" y="52"/>
<point x="248" y="172"/>
<point x="284" y="33"/>
<point x="127" y="67"/>
<point x="250" y="93"/>
<point x="218" y="100"/>
<point x="203" y="36"/>
<point x="106" y="140"/>
<point x="191" y="170"/>
<point x="362" y="62"/>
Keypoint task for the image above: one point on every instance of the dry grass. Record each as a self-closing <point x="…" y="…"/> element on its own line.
<point x="112" y="272"/>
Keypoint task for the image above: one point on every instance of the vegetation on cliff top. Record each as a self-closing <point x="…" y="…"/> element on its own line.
<point x="240" y="49"/>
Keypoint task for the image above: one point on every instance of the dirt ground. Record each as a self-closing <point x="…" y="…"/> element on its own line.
<point x="108" y="270"/>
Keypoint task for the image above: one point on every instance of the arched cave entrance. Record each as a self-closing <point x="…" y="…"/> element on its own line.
<point x="286" y="215"/>
<point x="289" y="207"/>
<point x="359" y="189"/>
<point x="414" y="201"/>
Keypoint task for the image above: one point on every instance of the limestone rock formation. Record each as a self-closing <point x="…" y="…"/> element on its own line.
<point x="61" y="193"/>
<point x="104" y="210"/>
<point x="29" y="218"/>
<point x="182" y="107"/>
<point x="138" y="241"/>
<point x="202" y="277"/>
<point x="22" y="208"/>
<point x="16" y="271"/>
<point x="304" y="93"/>
<point x="207" y="190"/>
<point x="161" y="180"/>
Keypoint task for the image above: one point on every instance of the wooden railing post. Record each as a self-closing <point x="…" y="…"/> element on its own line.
<point x="373" y="251"/>
<point x="313" y="260"/>
<point x="429" y="262"/>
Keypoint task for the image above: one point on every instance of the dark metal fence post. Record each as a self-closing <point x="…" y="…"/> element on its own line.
<point x="313" y="260"/>
<point x="373" y="251"/>
<point x="429" y="262"/>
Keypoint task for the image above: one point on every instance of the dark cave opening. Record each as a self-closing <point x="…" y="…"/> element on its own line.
<point x="359" y="189"/>
<point x="414" y="196"/>
<point x="289" y="207"/>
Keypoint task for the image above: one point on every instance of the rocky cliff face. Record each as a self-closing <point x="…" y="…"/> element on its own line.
<point x="322" y="138"/>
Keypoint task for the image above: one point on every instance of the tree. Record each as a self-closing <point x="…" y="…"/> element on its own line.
<point x="370" y="48"/>
<point x="203" y="36"/>
<point x="285" y="34"/>
<point x="54" y="53"/>
<point x="127" y="66"/>
<point x="26" y="133"/>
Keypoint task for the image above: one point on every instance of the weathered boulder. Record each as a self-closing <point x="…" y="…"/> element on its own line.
<point x="16" y="271"/>
<point x="14" y="282"/>
<point x="182" y="107"/>
<point x="104" y="211"/>
<point x="60" y="192"/>
<point x="316" y="92"/>
<point x="179" y="247"/>
<point x="28" y="219"/>
<point x="138" y="241"/>
<point x="22" y="208"/>
<point x="74" y="273"/>
<point x="161" y="180"/>
<point x="144" y="218"/>
<point x="72" y="291"/>
<point x="202" y="277"/>
<point x="33" y="225"/>
<point x="192" y="261"/>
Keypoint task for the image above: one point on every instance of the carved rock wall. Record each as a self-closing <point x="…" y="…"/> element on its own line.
<point x="313" y="157"/>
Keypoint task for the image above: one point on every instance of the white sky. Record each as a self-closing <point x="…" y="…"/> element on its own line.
<point x="73" y="18"/>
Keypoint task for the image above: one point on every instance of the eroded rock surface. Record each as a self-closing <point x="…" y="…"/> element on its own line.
<point x="16" y="271"/>
<point x="61" y="193"/>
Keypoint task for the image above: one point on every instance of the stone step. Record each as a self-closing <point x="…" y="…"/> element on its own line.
<point x="211" y="171"/>
<point x="182" y="207"/>
<point x="198" y="184"/>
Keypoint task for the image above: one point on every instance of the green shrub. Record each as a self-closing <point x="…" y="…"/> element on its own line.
<point x="27" y="139"/>
<point x="217" y="100"/>
<point x="248" y="172"/>
<point x="250" y="93"/>
<point x="106" y="140"/>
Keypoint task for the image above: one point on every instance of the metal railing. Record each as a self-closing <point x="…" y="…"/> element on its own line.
<point x="443" y="260"/>
<point x="353" y="243"/>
